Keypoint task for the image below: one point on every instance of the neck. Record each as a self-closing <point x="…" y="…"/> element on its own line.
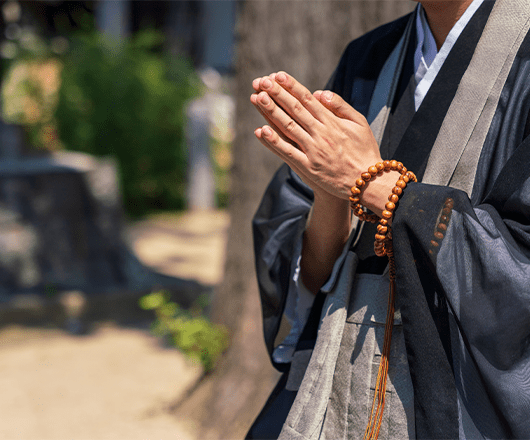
<point x="442" y="15"/>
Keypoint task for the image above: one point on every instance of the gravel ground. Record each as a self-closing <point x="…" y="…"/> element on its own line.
<point x="115" y="383"/>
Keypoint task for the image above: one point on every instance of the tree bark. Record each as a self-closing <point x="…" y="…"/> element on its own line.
<point x="306" y="39"/>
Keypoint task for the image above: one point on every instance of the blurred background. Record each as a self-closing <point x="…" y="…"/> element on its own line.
<point x="129" y="174"/>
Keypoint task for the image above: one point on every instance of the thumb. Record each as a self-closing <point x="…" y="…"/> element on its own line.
<point x="338" y="106"/>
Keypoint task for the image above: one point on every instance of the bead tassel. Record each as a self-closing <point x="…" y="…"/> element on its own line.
<point x="382" y="247"/>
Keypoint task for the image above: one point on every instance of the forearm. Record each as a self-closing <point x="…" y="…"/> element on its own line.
<point x="327" y="231"/>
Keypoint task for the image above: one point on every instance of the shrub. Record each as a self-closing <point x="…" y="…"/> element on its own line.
<point x="188" y="330"/>
<point x="127" y="100"/>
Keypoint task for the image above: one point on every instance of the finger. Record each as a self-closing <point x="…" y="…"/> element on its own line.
<point x="287" y="152"/>
<point x="288" y="126"/>
<point x="338" y="106"/>
<point x="295" y="165"/>
<point x="253" y="99"/>
<point x="301" y="94"/>
<point x="255" y="84"/>
<point x="295" y="159"/>
<point x="289" y="104"/>
<point x="302" y="173"/>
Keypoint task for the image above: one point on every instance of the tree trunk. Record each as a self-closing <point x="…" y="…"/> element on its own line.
<point x="306" y="39"/>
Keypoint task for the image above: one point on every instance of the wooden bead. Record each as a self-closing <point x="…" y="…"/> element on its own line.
<point x="380" y="252"/>
<point x="444" y="219"/>
<point x="411" y="176"/>
<point x="373" y="170"/>
<point x="405" y="179"/>
<point x="360" y="183"/>
<point x="449" y="203"/>
<point x="355" y="191"/>
<point x="403" y="171"/>
<point x="434" y="243"/>
<point x="355" y="200"/>
<point x="397" y="191"/>
<point x="393" y="165"/>
<point x="366" y="177"/>
<point x="359" y="212"/>
<point x="390" y="206"/>
<point x="393" y="198"/>
<point x="380" y="166"/>
<point x="438" y="235"/>
<point x="442" y="227"/>
<point x="387" y="165"/>
<point x="383" y="222"/>
<point x="447" y="210"/>
<point x="399" y="167"/>
<point x="382" y="229"/>
<point x="386" y="214"/>
<point x="401" y="184"/>
<point x="380" y="237"/>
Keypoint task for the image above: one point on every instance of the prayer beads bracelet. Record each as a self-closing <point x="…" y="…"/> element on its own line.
<point x="383" y="230"/>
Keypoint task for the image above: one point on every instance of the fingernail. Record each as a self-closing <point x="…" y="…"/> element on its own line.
<point x="265" y="99"/>
<point x="267" y="84"/>
<point x="327" y="95"/>
<point x="267" y="132"/>
<point x="281" y="77"/>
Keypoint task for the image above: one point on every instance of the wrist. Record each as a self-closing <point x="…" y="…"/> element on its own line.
<point x="375" y="194"/>
<point x="327" y="230"/>
<point x="330" y="201"/>
<point x="331" y="212"/>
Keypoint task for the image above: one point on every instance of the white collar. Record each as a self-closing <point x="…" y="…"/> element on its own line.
<point x="427" y="61"/>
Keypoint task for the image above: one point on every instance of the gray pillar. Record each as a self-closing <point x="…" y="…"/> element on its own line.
<point x="112" y="17"/>
<point x="201" y="186"/>
<point x="219" y="38"/>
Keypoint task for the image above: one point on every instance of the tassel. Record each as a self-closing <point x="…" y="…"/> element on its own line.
<point x="378" y="404"/>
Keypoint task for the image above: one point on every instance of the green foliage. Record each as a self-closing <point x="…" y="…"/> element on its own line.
<point x="127" y="100"/>
<point x="188" y="330"/>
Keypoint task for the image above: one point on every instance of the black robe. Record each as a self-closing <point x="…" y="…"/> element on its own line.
<point x="464" y="294"/>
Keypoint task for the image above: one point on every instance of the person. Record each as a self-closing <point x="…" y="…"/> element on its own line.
<point x="445" y="91"/>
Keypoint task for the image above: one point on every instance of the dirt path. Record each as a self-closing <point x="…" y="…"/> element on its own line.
<point x="112" y="384"/>
<point x="115" y="383"/>
<point x="191" y="245"/>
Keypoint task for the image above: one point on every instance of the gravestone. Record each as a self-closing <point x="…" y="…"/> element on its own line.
<point x="61" y="230"/>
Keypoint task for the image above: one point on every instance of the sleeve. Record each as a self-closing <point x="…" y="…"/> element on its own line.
<point x="297" y="308"/>
<point x="278" y="227"/>
<point x="463" y="287"/>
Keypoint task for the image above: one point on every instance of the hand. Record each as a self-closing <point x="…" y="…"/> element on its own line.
<point x="322" y="138"/>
